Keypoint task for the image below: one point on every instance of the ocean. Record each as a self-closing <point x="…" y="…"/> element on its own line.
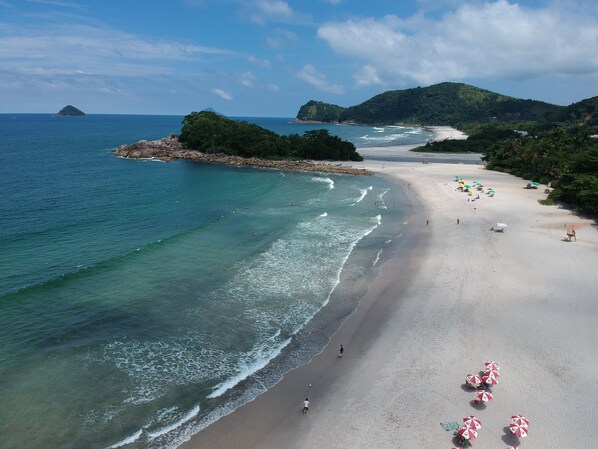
<point x="140" y="300"/>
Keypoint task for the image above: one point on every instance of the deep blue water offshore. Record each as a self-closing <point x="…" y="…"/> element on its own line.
<point x="140" y="301"/>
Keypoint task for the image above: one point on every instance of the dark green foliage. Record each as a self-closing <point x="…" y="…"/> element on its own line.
<point x="568" y="158"/>
<point x="583" y="113"/>
<point x="317" y="111"/>
<point x="326" y="146"/>
<point x="453" y="104"/>
<point x="212" y="133"/>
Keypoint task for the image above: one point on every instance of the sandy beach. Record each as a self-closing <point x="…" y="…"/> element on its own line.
<point x="459" y="294"/>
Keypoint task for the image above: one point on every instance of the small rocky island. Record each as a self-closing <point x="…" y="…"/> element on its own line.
<point x="70" y="110"/>
<point x="170" y="148"/>
<point x="215" y="139"/>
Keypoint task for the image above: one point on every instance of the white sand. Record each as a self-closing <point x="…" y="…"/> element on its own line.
<point x="524" y="298"/>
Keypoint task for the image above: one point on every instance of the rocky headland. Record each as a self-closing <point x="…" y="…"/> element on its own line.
<point x="169" y="148"/>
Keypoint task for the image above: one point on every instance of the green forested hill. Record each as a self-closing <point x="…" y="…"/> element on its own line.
<point x="584" y="112"/>
<point x="441" y="104"/>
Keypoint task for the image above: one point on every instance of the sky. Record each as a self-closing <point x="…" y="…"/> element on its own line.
<point x="266" y="58"/>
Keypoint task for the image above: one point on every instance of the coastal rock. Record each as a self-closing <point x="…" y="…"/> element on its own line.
<point x="70" y="110"/>
<point x="169" y="148"/>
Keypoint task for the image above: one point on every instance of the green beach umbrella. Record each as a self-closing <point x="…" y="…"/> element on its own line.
<point x="536" y="183"/>
<point x="468" y="187"/>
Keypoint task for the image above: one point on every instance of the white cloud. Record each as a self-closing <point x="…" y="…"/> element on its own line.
<point x="85" y="59"/>
<point x="248" y="79"/>
<point x="85" y="46"/>
<point x="222" y="94"/>
<point x="367" y="75"/>
<point x="310" y="74"/>
<point x="490" y="40"/>
<point x="273" y="87"/>
<point x="259" y="62"/>
<point x="265" y="10"/>
<point x="281" y="38"/>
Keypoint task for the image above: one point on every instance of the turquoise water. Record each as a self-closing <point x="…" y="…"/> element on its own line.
<point x="139" y="300"/>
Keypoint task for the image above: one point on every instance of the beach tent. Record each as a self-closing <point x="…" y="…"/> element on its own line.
<point x="501" y="226"/>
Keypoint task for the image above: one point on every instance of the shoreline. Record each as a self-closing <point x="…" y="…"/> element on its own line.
<point x="408" y="344"/>
<point x="312" y="378"/>
<point x="169" y="149"/>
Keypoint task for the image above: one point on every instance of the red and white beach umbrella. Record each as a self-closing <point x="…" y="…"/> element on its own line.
<point x="520" y="420"/>
<point x="468" y="433"/>
<point x="518" y="431"/>
<point x="490" y="372"/>
<point x="484" y="396"/>
<point x="490" y="378"/>
<point x="472" y="421"/>
<point x="512" y="447"/>
<point x="473" y="379"/>
<point x="491" y="364"/>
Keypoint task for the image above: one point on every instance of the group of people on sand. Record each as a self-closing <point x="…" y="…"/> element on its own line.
<point x="306" y="402"/>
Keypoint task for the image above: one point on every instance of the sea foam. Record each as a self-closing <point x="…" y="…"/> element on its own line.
<point x="190" y="415"/>
<point x="328" y="181"/>
<point x="128" y="440"/>
<point x="261" y="355"/>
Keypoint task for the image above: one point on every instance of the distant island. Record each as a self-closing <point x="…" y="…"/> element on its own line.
<point x="70" y="110"/>
<point x="213" y="138"/>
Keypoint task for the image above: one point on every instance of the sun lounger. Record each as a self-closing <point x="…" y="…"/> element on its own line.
<point x="453" y="425"/>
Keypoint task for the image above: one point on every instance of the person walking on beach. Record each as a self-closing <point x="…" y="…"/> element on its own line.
<point x="340" y="352"/>
<point x="305" y="406"/>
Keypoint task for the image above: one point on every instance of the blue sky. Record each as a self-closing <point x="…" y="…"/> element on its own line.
<point x="268" y="57"/>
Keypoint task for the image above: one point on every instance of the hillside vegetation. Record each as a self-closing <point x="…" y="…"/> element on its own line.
<point x="317" y="111"/>
<point x="583" y="113"/>
<point x="567" y="158"/>
<point x="453" y="104"/>
<point x="209" y="132"/>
